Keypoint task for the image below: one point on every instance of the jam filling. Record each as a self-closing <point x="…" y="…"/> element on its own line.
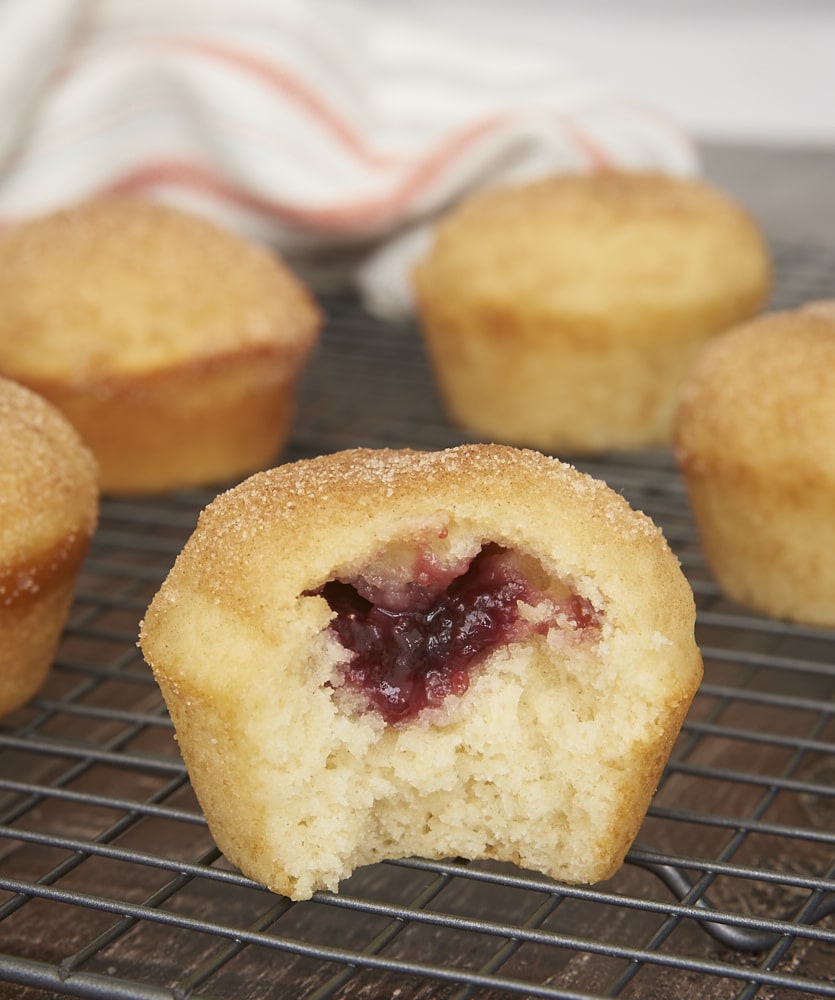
<point x="409" y="659"/>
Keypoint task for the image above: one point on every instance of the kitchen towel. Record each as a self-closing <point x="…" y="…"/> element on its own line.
<point x="333" y="130"/>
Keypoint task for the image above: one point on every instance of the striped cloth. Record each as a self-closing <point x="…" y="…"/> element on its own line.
<point x="331" y="129"/>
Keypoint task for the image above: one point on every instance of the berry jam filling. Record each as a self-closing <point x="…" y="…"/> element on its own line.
<point x="408" y="659"/>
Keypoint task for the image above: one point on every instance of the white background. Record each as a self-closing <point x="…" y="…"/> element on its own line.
<point x="748" y="71"/>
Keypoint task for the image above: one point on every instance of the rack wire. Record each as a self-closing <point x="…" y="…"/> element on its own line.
<point x="111" y="886"/>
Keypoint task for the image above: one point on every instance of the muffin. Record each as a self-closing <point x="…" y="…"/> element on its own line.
<point x="48" y="511"/>
<point x="755" y="440"/>
<point x="477" y="653"/>
<point x="563" y="314"/>
<point x="173" y="346"/>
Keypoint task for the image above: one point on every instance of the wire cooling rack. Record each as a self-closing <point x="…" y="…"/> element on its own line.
<point x="110" y="885"/>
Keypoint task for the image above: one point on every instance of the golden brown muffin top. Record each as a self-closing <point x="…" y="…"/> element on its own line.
<point x="763" y="396"/>
<point x="320" y="504"/>
<point x="124" y="285"/>
<point x="48" y="482"/>
<point x="288" y="530"/>
<point x="588" y="244"/>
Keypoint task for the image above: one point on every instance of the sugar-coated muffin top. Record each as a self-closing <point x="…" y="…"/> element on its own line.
<point x="597" y="244"/>
<point x="119" y="284"/>
<point x="287" y="531"/>
<point x="48" y="484"/>
<point x="286" y="510"/>
<point x="763" y="396"/>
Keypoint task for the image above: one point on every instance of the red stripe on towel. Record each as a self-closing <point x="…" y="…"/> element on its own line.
<point x="290" y="85"/>
<point x="345" y="217"/>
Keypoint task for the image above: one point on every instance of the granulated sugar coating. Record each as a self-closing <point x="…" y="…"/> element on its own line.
<point x="47" y="478"/>
<point x="48" y="509"/>
<point x="369" y="476"/>
<point x="755" y="439"/>
<point x="543" y="744"/>
<point x="124" y="285"/>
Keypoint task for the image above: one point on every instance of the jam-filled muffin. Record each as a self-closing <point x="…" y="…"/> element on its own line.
<point x="478" y="652"/>
<point x="755" y="439"/>
<point x="174" y="347"/>
<point x="564" y="313"/>
<point x="48" y="512"/>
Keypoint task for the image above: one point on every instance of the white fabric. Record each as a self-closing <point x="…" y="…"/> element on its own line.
<point x="332" y="131"/>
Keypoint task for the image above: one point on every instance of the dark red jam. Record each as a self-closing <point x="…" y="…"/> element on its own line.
<point x="406" y="660"/>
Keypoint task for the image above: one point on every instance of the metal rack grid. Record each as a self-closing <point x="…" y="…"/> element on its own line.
<point x="110" y="885"/>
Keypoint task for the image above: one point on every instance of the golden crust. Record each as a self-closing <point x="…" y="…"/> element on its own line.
<point x="347" y="502"/>
<point x="551" y="757"/>
<point x="763" y="397"/>
<point x="755" y="439"/>
<point x="48" y="511"/>
<point x="563" y="314"/>
<point x="121" y="285"/>
<point x="205" y="422"/>
<point x="149" y="325"/>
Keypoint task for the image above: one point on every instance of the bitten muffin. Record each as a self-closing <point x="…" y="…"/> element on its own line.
<point x="755" y="440"/>
<point x="173" y="346"/>
<point x="563" y="314"/>
<point x="48" y="511"/>
<point x="478" y="652"/>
